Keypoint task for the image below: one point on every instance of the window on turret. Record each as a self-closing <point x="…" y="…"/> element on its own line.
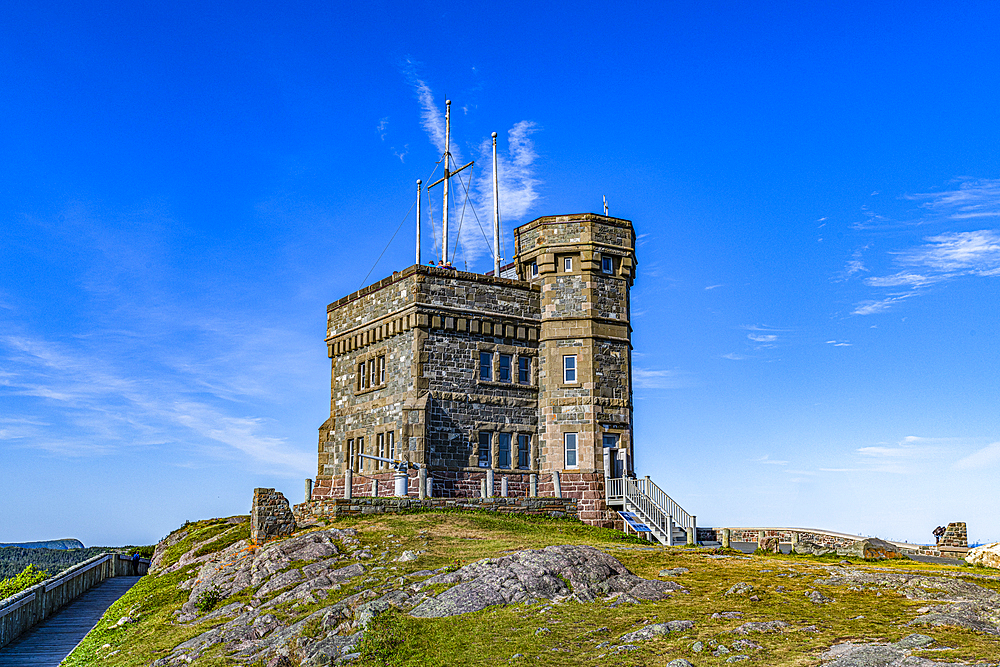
<point x="569" y="369"/>
<point x="607" y="265"/>
<point x="568" y="264"/>
<point x="523" y="450"/>
<point x="503" y="367"/>
<point x="486" y="366"/>
<point x="569" y="440"/>
<point x="485" y="442"/>
<point x="503" y="450"/>
<point x="534" y="269"/>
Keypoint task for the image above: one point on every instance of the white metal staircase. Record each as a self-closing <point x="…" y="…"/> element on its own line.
<point x="653" y="509"/>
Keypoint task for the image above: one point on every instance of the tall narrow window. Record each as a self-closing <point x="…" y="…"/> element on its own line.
<point x="381" y="449"/>
<point x="359" y="462"/>
<point x="351" y="454"/>
<point x="523" y="450"/>
<point x="569" y="368"/>
<point x="503" y="367"/>
<point x="373" y="372"/>
<point x="361" y="376"/>
<point x="381" y="369"/>
<point x="568" y="264"/>
<point x="524" y="370"/>
<point x="534" y="269"/>
<point x="486" y="366"/>
<point x="570" y="442"/>
<point x="391" y="452"/>
<point x="503" y="450"/>
<point x="485" y="442"/>
<point x="607" y="265"/>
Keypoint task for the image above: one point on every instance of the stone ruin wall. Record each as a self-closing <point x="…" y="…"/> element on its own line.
<point x="270" y="516"/>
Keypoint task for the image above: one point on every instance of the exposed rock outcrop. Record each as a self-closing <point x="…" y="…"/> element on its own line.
<point x="987" y="555"/>
<point x="871" y="548"/>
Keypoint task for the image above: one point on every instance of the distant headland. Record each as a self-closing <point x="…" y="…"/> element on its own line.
<point x="68" y="543"/>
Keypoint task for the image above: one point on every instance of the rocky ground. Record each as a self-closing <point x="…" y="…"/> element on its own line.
<point x="308" y="600"/>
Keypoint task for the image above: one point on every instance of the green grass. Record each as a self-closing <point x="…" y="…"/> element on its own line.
<point x="27" y="578"/>
<point x="493" y="636"/>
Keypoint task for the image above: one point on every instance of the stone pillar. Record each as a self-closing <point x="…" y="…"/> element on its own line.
<point x="309" y="490"/>
<point x="760" y="539"/>
<point x="482" y="488"/>
<point x="556" y="484"/>
<point x="725" y="538"/>
<point x="430" y="486"/>
<point x="490" y="481"/>
<point x="374" y="488"/>
<point x="503" y="486"/>
<point x="795" y="539"/>
<point x="692" y="535"/>
<point x="533" y="485"/>
<point x="348" y="483"/>
<point x="422" y="482"/>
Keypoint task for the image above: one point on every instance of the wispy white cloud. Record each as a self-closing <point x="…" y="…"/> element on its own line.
<point x="644" y="378"/>
<point x="972" y="199"/>
<point x="838" y="343"/>
<point x="984" y="458"/>
<point x="763" y="338"/>
<point x="714" y="287"/>
<point x="873" y="307"/>
<point x="732" y="356"/>
<point x="767" y="460"/>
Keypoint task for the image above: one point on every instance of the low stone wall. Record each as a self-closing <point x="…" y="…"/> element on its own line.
<point x="825" y="538"/>
<point x="31" y="606"/>
<point x="270" y="516"/>
<point x="337" y="507"/>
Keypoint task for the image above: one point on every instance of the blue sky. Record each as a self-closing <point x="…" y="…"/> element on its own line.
<point x="816" y="192"/>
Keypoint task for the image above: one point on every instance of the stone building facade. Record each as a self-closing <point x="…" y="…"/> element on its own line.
<point x="475" y="377"/>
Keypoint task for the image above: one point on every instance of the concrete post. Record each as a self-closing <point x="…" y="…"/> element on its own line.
<point x="422" y="483"/>
<point x="482" y="488"/>
<point x="348" y="483"/>
<point x="430" y="487"/>
<point x="692" y="538"/>
<point x="490" y="481"/>
<point x="725" y="538"/>
<point x="309" y="490"/>
<point x="374" y="488"/>
<point x="556" y="484"/>
<point x="760" y="539"/>
<point x="795" y="539"/>
<point x="503" y="486"/>
<point x="533" y="485"/>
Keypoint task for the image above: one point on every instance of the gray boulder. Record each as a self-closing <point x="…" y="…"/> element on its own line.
<point x="533" y="574"/>
<point x="656" y="630"/>
<point x="807" y="547"/>
<point x="871" y="548"/>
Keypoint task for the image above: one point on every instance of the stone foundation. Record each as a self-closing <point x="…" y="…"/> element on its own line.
<point x="270" y="516"/>
<point x="338" y="507"/>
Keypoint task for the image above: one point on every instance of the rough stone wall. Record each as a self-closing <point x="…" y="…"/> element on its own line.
<point x="955" y="535"/>
<point x="334" y="507"/>
<point x="270" y="516"/>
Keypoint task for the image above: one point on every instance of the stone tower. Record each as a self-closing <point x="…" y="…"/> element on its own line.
<point x="585" y="266"/>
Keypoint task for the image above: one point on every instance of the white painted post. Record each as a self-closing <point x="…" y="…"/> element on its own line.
<point x="422" y="483"/>
<point x="556" y="484"/>
<point x="482" y="488"/>
<point x="348" y="483"/>
<point x="374" y="488"/>
<point x="430" y="487"/>
<point x="490" y="481"/>
<point x="533" y="485"/>
<point x="503" y="486"/>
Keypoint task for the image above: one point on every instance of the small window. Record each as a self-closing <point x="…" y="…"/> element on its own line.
<point x="503" y="450"/>
<point x="523" y="450"/>
<point x="534" y="269"/>
<point x="381" y="369"/>
<point x="391" y="448"/>
<point x="486" y="366"/>
<point x="485" y="442"/>
<point x="607" y="265"/>
<point x="503" y="368"/>
<point x="610" y="440"/>
<point x="569" y="369"/>
<point x="524" y="370"/>
<point x="568" y="264"/>
<point x="570" y="441"/>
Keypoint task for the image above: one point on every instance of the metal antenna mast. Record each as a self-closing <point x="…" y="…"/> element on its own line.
<point x="447" y="175"/>
<point x="496" y="213"/>
<point x="418" y="220"/>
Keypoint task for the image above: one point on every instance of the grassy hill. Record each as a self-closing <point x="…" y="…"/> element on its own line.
<point x="775" y="610"/>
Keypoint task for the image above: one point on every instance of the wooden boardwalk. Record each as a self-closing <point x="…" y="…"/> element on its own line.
<point x="46" y="644"/>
